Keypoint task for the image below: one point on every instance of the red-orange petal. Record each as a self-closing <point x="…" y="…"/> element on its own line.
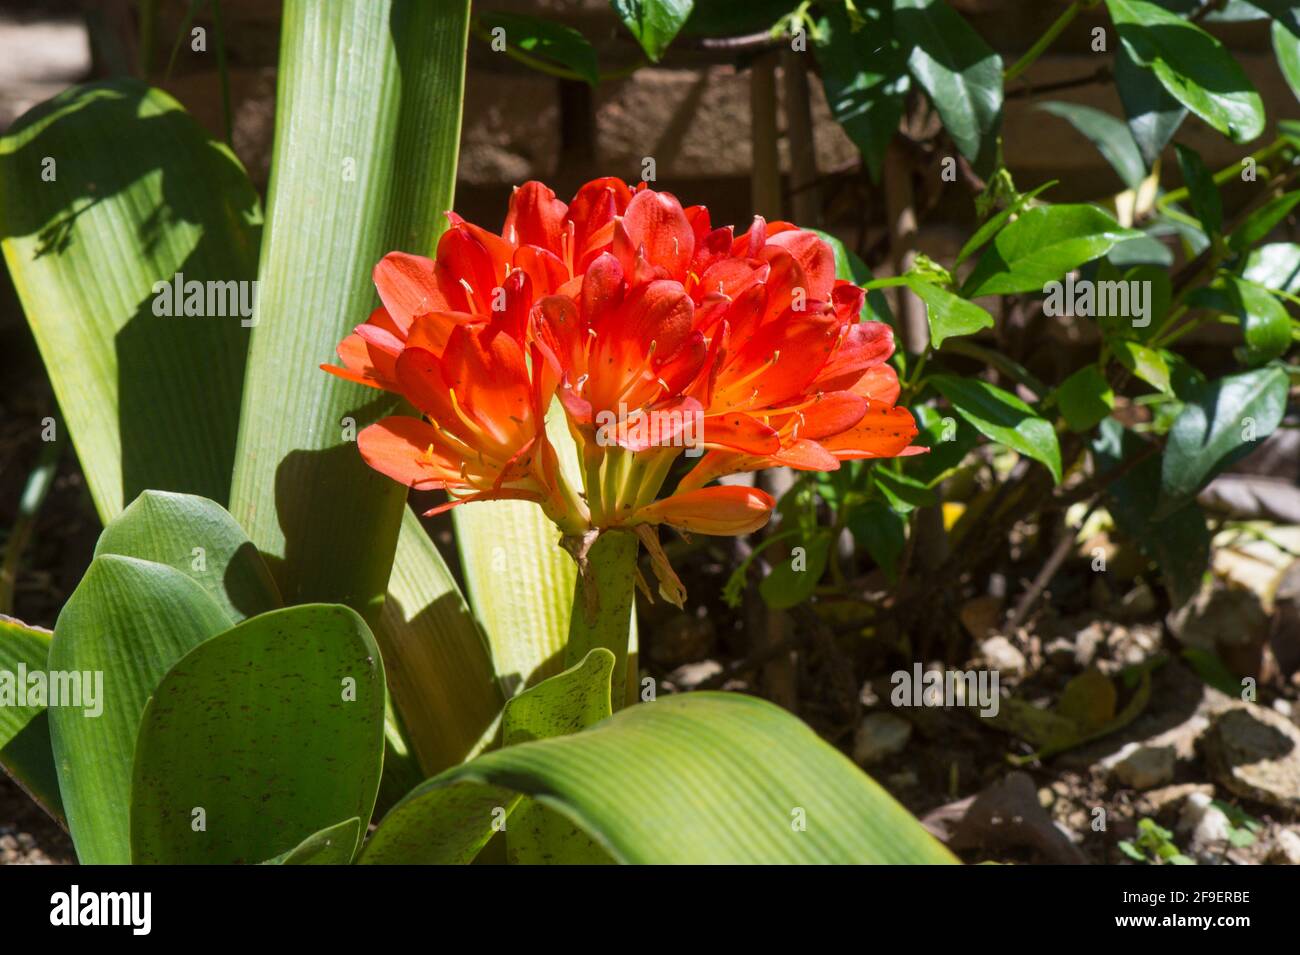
<point x="722" y="510"/>
<point x="396" y="447"/>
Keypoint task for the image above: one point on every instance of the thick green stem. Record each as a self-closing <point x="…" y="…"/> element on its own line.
<point x="609" y="577"/>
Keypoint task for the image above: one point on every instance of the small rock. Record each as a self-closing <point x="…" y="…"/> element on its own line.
<point x="1157" y="801"/>
<point x="1205" y="824"/>
<point x="682" y="638"/>
<point x="999" y="653"/>
<point x="980" y="615"/>
<point x="880" y="735"/>
<point x="1086" y="643"/>
<point x="1285" y="849"/>
<point x="1132" y="645"/>
<point x="1255" y="753"/>
<point x="1142" y="766"/>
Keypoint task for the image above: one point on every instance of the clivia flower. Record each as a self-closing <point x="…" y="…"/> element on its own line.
<point x="657" y="333"/>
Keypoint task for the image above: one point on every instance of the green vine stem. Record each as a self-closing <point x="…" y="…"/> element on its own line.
<point x="603" y="597"/>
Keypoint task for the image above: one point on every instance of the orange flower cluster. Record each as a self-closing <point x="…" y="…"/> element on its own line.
<point x="659" y="334"/>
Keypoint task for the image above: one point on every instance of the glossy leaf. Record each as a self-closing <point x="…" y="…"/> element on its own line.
<point x="696" y="778"/>
<point x="1110" y="135"/>
<point x="1192" y="65"/>
<point x="865" y="77"/>
<point x="1275" y="266"/>
<point x="793" y="580"/>
<point x="997" y="222"/>
<point x="949" y="316"/>
<point x="1202" y="190"/>
<point x="129" y="620"/>
<point x="548" y="40"/>
<point x="1085" y="398"/>
<point x="654" y="23"/>
<point x="367" y="125"/>
<point x="1264" y="321"/>
<point x="1222" y="422"/>
<point x="200" y="539"/>
<point x="1041" y="247"/>
<point x="1262" y="221"/>
<point x="1004" y="418"/>
<point x="25" y="749"/>
<point x="1153" y="114"/>
<point x="1149" y="364"/>
<point x="881" y="531"/>
<point x="1286" y="46"/>
<point x="111" y="195"/>
<point x="959" y="71"/>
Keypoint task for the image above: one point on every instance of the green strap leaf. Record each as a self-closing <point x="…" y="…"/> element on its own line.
<point x="1192" y="65"/>
<point x="865" y="78"/>
<point x="118" y="213"/>
<point x="654" y="23"/>
<point x="367" y="125"/>
<point x="960" y="72"/>
<point x="200" y="539"/>
<point x="1002" y="417"/>
<point x="289" y="707"/>
<point x="697" y="778"/>
<point x="1221" y="422"/>
<point x="333" y="846"/>
<point x="25" y="752"/>
<point x="122" y="629"/>
<point x="566" y="703"/>
<point x="439" y="665"/>
<point x="1041" y="246"/>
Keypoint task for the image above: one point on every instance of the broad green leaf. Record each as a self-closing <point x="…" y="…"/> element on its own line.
<point x="1286" y="46"/>
<point x="1085" y="398"/>
<point x="654" y="23"/>
<point x="1041" y="247"/>
<point x="1221" y="423"/>
<point x="958" y="70"/>
<point x="335" y="845"/>
<point x="1192" y="65"/>
<point x="1153" y="114"/>
<point x="439" y="666"/>
<point x="881" y="531"/>
<point x="949" y="316"/>
<point x="996" y="222"/>
<point x="1262" y="221"/>
<point x="1275" y="266"/>
<point x="793" y="580"/>
<point x="26" y="753"/>
<point x="1004" y="418"/>
<point x="197" y="537"/>
<point x="289" y="709"/>
<point x="1110" y="135"/>
<point x="1179" y="544"/>
<point x="548" y="40"/>
<point x="566" y="703"/>
<point x="850" y="268"/>
<point x="110" y="197"/>
<point x="1264" y="320"/>
<point x="696" y="778"/>
<point x="865" y="77"/>
<point x="128" y="621"/>
<point x="367" y="124"/>
<point x="1201" y="189"/>
<point x="1147" y="363"/>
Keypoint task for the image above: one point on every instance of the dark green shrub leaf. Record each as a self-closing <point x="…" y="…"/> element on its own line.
<point x="1004" y="418"/>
